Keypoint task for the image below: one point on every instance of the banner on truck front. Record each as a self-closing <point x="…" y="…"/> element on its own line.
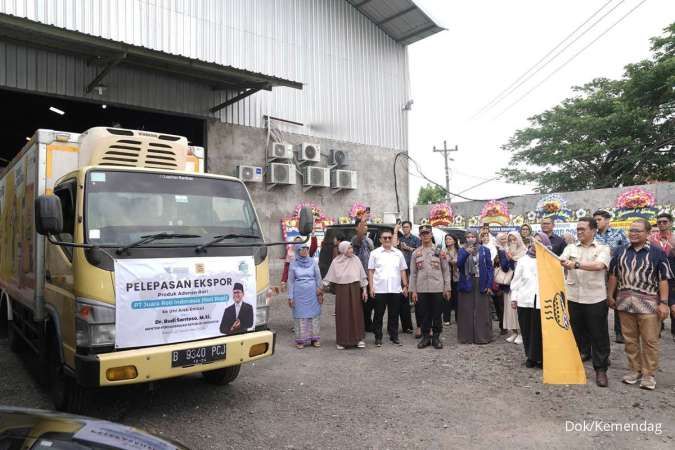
<point x="168" y="300"/>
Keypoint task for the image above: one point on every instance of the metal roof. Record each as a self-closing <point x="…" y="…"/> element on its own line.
<point x="107" y="53"/>
<point x="402" y="20"/>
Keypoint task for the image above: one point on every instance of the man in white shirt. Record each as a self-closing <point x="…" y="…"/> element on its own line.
<point x="386" y="280"/>
<point x="587" y="262"/>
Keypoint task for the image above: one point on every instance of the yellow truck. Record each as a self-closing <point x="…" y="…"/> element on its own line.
<point x="122" y="262"/>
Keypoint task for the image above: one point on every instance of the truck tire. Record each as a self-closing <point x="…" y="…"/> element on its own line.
<point x="66" y="394"/>
<point x="222" y="376"/>
<point x="4" y="319"/>
<point x="15" y="341"/>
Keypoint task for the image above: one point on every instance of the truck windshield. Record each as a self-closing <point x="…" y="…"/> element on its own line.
<point x="120" y="207"/>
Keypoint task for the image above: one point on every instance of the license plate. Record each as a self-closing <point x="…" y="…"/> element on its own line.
<point x="198" y="355"/>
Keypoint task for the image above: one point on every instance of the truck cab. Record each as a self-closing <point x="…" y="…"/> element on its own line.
<point x="130" y="263"/>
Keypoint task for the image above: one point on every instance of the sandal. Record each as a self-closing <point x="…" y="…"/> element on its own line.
<point x="299" y="346"/>
<point x="316" y="344"/>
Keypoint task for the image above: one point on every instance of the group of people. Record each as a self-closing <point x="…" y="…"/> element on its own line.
<point x="490" y="275"/>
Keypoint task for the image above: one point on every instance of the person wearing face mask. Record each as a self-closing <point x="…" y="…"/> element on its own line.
<point x="430" y="285"/>
<point x="476" y="276"/>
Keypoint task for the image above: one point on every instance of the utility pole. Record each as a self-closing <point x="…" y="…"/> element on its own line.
<point x="445" y="150"/>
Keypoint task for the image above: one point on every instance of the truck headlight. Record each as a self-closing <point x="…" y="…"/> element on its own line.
<point x="262" y="306"/>
<point x="94" y="323"/>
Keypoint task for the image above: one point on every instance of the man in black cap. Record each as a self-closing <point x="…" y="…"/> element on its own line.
<point x="430" y="284"/>
<point x="237" y="317"/>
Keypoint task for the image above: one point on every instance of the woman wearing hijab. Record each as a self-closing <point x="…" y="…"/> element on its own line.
<point x="486" y="240"/>
<point x="349" y="281"/>
<point x="515" y="250"/>
<point x="526" y="234"/>
<point x="476" y="275"/>
<point x="500" y="290"/>
<point x="525" y="289"/>
<point x="290" y="256"/>
<point x="451" y="248"/>
<point x="305" y="297"/>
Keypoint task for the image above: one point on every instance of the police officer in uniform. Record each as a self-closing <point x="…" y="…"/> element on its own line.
<point x="430" y="284"/>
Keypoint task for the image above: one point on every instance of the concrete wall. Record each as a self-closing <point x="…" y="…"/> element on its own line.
<point x="592" y="199"/>
<point x="231" y="145"/>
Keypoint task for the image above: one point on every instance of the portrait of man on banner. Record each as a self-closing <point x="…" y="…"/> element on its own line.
<point x="238" y="317"/>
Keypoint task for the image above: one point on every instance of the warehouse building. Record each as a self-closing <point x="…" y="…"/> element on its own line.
<point x="327" y="77"/>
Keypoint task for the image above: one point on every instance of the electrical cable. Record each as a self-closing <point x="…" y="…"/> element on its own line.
<point x="421" y="175"/>
<point x="560" y="67"/>
<point x="515" y="85"/>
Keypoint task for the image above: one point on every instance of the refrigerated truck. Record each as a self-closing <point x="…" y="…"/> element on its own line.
<point x="122" y="262"/>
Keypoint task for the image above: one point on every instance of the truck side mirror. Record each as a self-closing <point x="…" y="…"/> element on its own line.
<point x="306" y="224"/>
<point x="48" y="216"/>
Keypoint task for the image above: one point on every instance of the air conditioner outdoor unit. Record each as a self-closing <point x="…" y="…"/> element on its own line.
<point x="309" y="152"/>
<point x="316" y="176"/>
<point x="278" y="173"/>
<point x="250" y="174"/>
<point x="281" y="150"/>
<point x="343" y="179"/>
<point x="338" y="158"/>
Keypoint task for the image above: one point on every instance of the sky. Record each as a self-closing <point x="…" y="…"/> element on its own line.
<point x="487" y="46"/>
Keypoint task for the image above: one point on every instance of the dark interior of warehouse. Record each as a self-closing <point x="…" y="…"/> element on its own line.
<point x="21" y="114"/>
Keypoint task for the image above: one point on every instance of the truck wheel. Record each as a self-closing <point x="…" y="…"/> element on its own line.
<point x="222" y="376"/>
<point x="66" y="394"/>
<point x="4" y="319"/>
<point x="16" y="342"/>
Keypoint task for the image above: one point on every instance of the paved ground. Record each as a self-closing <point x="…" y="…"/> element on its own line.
<point x="392" y="397"/>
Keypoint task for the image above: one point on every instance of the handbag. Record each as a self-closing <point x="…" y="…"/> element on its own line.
<point x="502" y="277"/>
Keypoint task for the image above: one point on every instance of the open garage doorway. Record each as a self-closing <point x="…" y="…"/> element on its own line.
<point x="23" y="113"/>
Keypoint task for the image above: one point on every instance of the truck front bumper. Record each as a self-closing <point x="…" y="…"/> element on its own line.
<point x="154" y="363"/>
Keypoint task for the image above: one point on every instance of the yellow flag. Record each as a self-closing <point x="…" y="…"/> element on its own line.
<point x="562" y="362"/>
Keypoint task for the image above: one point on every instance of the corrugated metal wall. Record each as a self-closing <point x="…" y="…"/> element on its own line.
<point x="355" y="76"/>
<point x="64" y="75"/>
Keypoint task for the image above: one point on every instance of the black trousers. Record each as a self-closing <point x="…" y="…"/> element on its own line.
<point x="418" y="317"/>
<point x="529" y="320"/>
<point x="430" y="305"/>
<point x="449" y="306"/>
<point x="405" y="314"/>
<point x="499" y="308"/>
<point x="589" y="324"/>
<point x="368" y="308"/>
<point x="392" y="303"/>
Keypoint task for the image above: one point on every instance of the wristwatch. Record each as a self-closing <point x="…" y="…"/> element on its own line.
<point x="577" y="264"/>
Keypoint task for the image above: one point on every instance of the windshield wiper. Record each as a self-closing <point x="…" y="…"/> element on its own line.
<point x="154" y="237"/>
<point x="223" y="237"/>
